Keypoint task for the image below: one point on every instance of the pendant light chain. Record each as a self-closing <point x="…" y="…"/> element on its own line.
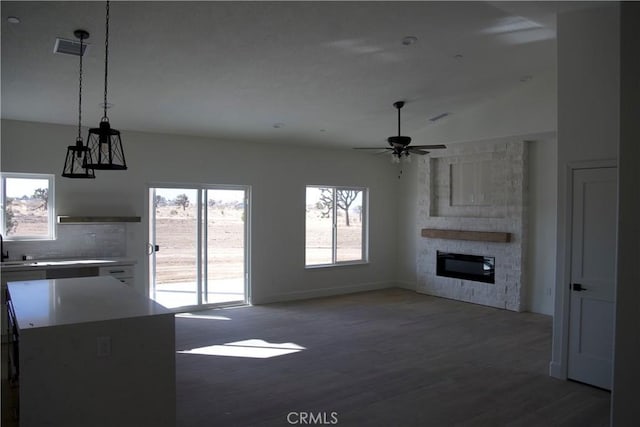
<point x="106" y="60"/>
<point x="78" y="155"/>
<point x="105" y="142"/>
<point x="80" y="91"/>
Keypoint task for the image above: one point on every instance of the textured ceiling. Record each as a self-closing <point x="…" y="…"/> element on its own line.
<point x="329" y="72"/>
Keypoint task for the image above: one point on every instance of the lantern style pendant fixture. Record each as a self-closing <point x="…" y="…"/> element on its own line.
<point x="79" y="155"/>
<point x="104" y="142"/>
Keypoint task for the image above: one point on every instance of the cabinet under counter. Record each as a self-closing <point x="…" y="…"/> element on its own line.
<point x="69" y="272"/>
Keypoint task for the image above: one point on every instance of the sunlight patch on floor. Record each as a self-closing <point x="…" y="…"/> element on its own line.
<point x="201" y="316"/>
<point x="253" y="348"/>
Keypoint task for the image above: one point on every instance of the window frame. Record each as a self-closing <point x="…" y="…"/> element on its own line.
<point x="51" y="205"/>
<point x="364" y="259"/>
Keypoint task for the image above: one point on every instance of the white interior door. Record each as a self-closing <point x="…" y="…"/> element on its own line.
<point x="593" y="269"/>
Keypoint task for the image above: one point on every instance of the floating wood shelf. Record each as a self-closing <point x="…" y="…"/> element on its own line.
<point x="479" y="236"/>
<point x="63" y="219"/>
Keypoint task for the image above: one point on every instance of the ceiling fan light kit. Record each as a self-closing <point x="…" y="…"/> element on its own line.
<point x="105" y="143"/>
<point x="78" y="155"/>
<point x="399" y="144"/>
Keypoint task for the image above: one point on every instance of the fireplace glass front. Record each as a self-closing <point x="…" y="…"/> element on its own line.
<point x="468" y="267"/>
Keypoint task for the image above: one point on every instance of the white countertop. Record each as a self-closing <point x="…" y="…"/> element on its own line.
<point x="54" y="302"/>
<point x="42" y="264"/>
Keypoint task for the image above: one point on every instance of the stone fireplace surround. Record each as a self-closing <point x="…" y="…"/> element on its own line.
<point x="475" y="187"/>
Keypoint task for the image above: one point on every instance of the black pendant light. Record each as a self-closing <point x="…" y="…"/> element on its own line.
<point x="104" y="142"/>
<point x="79" y="155"/>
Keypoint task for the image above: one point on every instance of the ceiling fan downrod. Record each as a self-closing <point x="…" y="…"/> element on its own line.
<point x="398" y="142"/>
<point x="398" y="105"/>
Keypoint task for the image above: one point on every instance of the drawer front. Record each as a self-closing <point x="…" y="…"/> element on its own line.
<point x="118" y="271"/>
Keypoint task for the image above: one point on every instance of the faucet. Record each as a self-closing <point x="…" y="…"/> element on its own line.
<point x="2" y="254"/>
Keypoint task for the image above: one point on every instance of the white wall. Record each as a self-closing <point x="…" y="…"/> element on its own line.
<point x="588" y="127"/>
<point x="541" y="250"/>
<point x="624" y="409"/>
<point x="529" y="108"/>
<point x="277" y="173"/>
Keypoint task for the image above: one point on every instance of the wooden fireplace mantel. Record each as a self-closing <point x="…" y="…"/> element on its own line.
<point x="480" y="236"/>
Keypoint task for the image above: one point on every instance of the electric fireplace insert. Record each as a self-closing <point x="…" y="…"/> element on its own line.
<point x="468" y="267"/>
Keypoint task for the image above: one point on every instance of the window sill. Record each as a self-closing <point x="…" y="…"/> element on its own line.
<point x="31" y="239"/>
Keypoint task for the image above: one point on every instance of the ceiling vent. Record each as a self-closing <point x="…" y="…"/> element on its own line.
<point x="69" y="47"/>
<point x="438" y="117"/>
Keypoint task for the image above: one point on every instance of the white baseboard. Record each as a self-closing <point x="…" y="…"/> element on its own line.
<point x="324" y="292"/>
<point x="556" y="371"/>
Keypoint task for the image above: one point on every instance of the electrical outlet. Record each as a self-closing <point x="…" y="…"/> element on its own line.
<point x="103" y="346"/>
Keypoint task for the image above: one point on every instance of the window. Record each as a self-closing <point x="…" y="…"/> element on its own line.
<point x="27" y="206"/>
<point x="336" y="226"/>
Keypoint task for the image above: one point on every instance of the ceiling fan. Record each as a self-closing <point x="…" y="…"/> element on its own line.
<point x="399" y="145"/>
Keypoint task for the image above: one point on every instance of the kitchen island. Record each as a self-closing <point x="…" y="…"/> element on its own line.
<point x="93" y="351"/>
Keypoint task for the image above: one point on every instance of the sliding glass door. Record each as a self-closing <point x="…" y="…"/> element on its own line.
<point x="198" y="245"/>
<point x="226" y="245"/>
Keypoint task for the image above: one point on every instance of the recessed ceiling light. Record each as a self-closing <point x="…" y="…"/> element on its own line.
<point x="13" y="20"/>
<point x="278" y="125"/>
<point x="409" y="40"/>
<point x="525" y="79"/>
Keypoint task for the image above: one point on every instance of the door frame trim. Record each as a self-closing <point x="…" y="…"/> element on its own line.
<point x="558" y="367"/>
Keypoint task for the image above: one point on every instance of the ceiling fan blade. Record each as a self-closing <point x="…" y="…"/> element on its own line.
<point x="429" y="147"/>
<point x="372" y="148"/>
<point x="416" y="151"/>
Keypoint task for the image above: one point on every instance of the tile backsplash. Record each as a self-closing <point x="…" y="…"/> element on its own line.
<point x="75" y="241"/>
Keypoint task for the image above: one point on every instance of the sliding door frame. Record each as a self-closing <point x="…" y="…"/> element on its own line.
<point x="202" y="240"/>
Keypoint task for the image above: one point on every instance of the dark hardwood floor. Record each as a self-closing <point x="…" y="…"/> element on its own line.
<point x="384" y="358"/>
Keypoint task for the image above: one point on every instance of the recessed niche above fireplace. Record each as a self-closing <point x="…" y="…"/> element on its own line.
<point x="471" y="187"/>
<point x="467" y="267"/>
